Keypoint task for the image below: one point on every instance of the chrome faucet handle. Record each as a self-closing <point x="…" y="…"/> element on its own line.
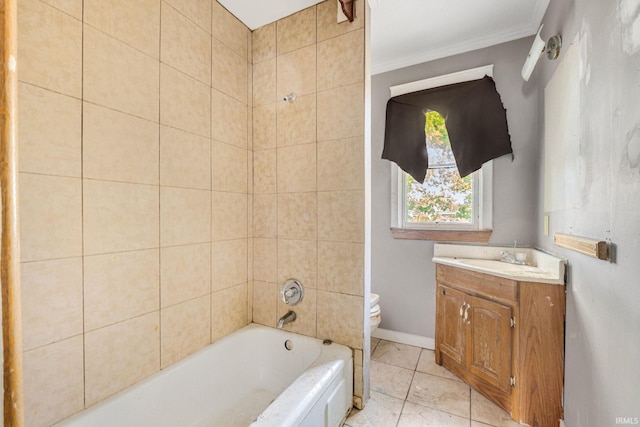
<point x="507" y="256"/>
<point x="291" y="292"/>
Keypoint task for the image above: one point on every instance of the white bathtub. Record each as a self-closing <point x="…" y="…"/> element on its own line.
<point x="246" y="378"/>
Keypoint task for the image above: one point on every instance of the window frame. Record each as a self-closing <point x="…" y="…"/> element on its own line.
<point x="480" y="230"/>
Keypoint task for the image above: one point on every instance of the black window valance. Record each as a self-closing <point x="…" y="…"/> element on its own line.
<point x="475" y="118"/>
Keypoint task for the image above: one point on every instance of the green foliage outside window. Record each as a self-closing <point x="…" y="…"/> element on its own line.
<point x="444" y="196"/>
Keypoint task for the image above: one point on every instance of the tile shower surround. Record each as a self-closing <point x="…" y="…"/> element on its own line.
<point x="177" y="190"/>
<point x="308" y="186"/>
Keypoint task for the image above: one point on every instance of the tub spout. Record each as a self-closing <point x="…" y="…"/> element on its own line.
<point x="287" y="318"/>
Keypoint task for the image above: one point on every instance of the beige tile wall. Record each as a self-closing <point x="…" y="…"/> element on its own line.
<point x="135" y="168"/>
<point x="308" y="201"/>
<point x="167" y="190"/>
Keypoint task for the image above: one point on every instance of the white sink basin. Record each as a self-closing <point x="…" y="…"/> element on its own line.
<point x="491" y="265"/>
<point x="546" y="268"/>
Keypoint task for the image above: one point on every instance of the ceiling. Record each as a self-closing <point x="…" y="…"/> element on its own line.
<point x="256" y="13"/>
<point x="408" y="32"/>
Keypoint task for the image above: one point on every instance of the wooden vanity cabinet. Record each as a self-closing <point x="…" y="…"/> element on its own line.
<point x="504" y="338"/>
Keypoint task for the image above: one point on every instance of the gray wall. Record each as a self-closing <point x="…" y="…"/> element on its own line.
<point x="602" y="361"/>
<point x="602" y="377"/>
<point x="402" y="271"/>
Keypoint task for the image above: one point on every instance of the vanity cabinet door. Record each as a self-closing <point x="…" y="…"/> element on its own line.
<point x="450" y="329"/>
<point x="488" y="341"/>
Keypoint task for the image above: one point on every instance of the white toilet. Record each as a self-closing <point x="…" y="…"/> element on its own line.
<point x="375" y="311"/>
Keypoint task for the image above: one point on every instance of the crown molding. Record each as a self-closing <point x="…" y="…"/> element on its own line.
<point x="513" y="33"/>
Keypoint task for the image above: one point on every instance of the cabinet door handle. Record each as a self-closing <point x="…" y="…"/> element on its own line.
<point x="462" y="309"/>
<point x="466" y="313"/>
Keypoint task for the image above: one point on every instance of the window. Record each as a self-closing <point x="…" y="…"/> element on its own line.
<point x="446" y="206"/>
<point x="445" y="198"/>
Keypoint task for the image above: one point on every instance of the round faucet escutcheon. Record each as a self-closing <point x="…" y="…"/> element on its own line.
<point x="292" y="292"/>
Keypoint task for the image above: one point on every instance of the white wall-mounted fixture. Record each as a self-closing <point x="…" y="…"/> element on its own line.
<point x="552" y="49"/>
<point x="291" y="97"/>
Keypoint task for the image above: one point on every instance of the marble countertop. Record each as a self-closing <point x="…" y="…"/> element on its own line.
<point x="539" y="266"/>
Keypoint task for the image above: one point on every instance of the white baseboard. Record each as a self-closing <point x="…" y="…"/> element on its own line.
<point x="404" y="338"/>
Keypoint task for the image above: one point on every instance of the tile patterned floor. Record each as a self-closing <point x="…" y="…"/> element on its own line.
<point x="409" y="390"/>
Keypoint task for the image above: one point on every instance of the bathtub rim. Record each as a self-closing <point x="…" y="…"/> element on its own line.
<point x="327" y="352"/>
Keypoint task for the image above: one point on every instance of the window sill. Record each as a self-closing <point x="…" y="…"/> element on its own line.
<point x="472" y="236"/>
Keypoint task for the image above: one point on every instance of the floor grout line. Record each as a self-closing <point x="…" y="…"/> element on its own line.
<point x="400" y="414"/>
<point x="405" y="401"/>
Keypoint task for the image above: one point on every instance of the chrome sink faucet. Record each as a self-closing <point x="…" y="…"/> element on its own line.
<point x="287" y="318"/>
<point x="513" y="257"/>
<point x="506" y="256"/>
